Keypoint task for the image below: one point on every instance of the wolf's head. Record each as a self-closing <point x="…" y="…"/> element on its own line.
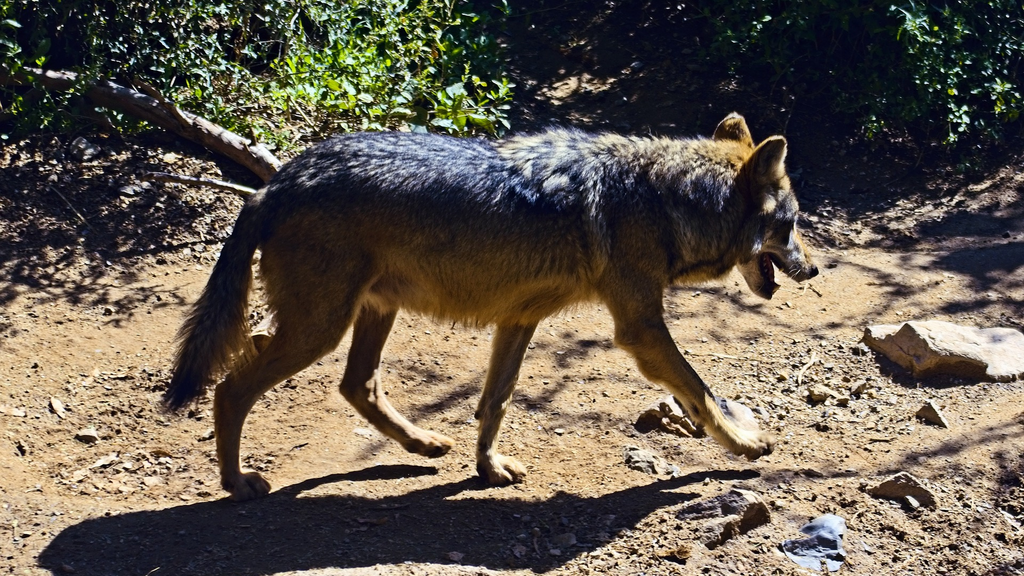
<point x="763" y="179"/>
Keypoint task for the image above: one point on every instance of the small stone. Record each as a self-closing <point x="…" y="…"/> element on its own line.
<point x="739" y="414"/>
<point x="823" y="545"/>
<point x="105" y="461"/>
<point x="931" y="413"/>
<point x="58" y="408"/>
<point x="83" y="150"/>
<point x="564" y="540"/>
<point x="208" y="435"/>
<point x="733" y="513"/>
<point x="559" y="431"/>
<point x="18" y="413"/>
<point x="87" y="435"/>
<point x="668" y="416"/>
<point x="901" y="485"/>
<point x="819" y="393"/>
<point x="644" y="461"/>
<point x="364" y="432"/>
<point x="151" y="481"/>
<point x="455" y="556"/>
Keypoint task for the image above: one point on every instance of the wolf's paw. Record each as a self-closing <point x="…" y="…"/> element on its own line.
<point x="248" y="486"/>
<point x="753" y="445"/>
<point x="500" y="470"/>
<point x="429" y="444"/>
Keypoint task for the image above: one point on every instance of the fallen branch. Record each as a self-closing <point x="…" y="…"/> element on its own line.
<point x="243" y="191"/>
<point x="159" y="112"/>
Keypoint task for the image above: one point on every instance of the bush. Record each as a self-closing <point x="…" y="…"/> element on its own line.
<point x="949" y="68"/>
<point x="283" y="69"/>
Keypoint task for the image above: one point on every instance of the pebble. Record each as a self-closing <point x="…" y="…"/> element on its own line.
<point x="58" y="408"/>
<point x="564" y="540"/>
<point x="87" y="435"/>
<point x="819" y="393"/>
<point x="931" y="413"/>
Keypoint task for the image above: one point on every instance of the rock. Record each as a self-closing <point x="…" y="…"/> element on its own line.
<point x="83" y="150"/>
<point x="58" y="408"/>
<point x="902" y="485"/>
<point x="644" y="461"/>
<point x="105" y="461"/>
<point x="87" y="435"/>
<point x="933" y="347"/>
<point x="733" y="513"/>
<point x="364" y="432"/>
<point x="931" y="413"/>
<point x="564" y="540"/>
<point x="824" y="544"/>
<point x="668" y="416"/>
<point x="455" y="556"/>
<point x="739" y="414"/>
<point x="819" y="393"/>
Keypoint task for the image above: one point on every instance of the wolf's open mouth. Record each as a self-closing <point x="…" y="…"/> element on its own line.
<point x="768" y="272"/>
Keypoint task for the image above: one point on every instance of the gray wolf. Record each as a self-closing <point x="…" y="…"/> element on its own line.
<point x="499" y="233"/>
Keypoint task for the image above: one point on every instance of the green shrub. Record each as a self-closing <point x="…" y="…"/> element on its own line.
<point x="283" y="69"/>
<point x="950" y="68"/>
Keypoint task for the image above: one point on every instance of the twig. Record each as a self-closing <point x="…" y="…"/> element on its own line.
<point x="243" y="191"/>
<point x="66" y="201"/>
<point x="800" y="374"/>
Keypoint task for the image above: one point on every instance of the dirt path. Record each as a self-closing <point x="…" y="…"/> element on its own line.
<point x="144" y="499"/>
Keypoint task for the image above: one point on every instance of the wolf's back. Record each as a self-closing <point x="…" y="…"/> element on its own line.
<point x="215" y="334"/>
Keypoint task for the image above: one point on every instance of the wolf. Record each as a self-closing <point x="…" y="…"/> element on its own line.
<point x="501" y="233"/>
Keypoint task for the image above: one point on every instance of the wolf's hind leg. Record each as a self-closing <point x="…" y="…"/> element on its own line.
<point x="509" y="347"/>
<point x="361" y="386"/>
<point x="300" y="339"/>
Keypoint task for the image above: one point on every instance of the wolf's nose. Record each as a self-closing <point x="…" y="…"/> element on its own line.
<point x="812" y="272"/>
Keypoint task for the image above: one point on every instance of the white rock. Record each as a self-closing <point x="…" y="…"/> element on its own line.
<point x="933" y="347"/>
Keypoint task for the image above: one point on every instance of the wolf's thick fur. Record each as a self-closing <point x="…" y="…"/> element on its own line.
<point x="503" y="233"/>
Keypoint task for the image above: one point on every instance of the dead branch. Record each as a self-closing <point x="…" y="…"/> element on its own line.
<point x="243" y="191"/>
<point x="159" y="112"/>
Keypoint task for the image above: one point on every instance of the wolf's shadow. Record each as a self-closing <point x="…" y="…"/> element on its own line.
<point x="290" y="531"/>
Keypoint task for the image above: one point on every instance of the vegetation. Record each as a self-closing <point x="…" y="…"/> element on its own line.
<point x="949" y="68"/>
<point x="292" y="69"/>
<point x="282" y="69"/>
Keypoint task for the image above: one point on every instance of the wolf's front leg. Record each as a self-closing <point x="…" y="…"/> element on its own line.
<point x="645" y="336"/>
<point x="509" y="347"/>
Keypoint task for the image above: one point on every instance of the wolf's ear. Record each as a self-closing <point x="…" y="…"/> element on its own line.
<point x="768" y="159"/>
<point x="734" y="127"/>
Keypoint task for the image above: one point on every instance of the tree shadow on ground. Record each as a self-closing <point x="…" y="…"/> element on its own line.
<point x="292" y="530"/>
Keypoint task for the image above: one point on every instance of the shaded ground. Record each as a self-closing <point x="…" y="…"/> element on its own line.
<point x="97" y="270"/>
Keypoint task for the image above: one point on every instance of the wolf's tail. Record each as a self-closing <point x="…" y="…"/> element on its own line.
<point x="215" y="335"/>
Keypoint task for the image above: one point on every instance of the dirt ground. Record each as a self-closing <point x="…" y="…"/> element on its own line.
<point x="97" y="269"/>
